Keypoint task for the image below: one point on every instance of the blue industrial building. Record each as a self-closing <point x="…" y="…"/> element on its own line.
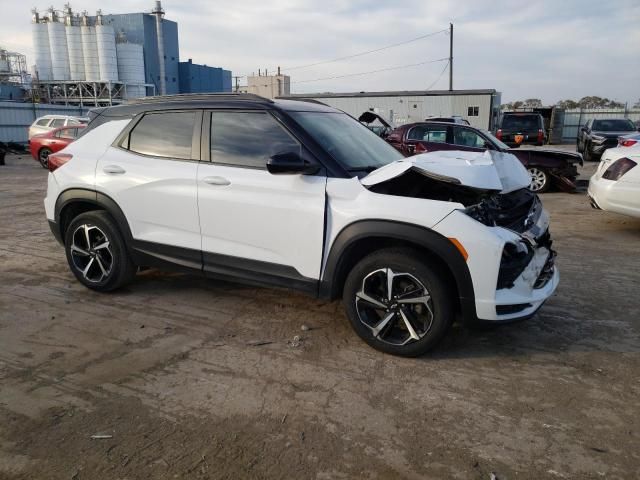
<point x="202" y="78"/>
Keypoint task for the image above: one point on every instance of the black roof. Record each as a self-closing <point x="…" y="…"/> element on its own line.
<point x="213" y="100"/>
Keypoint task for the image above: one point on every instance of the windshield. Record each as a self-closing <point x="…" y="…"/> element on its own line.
<point x="613" y="125"/>
<point x="521" y="122"/>
<point x="498" y="143"/>
<point x="349" y="142"/>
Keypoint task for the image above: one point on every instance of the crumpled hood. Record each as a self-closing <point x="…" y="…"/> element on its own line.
<point x="488" y="170"/>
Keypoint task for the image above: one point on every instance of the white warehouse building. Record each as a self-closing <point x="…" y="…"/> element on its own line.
<point x="480" y="107"/>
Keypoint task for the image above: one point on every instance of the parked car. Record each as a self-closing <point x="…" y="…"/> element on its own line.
<point x="599" y="134"/>
<point x="51" y="122"/>
<point x="615" y="186"/>
<point x="630" y="140"/>
<point x="43" y="144"/>
<point x="521" y="128"/>
<point x="319" y="204"/>
<point x="546" y="167"/>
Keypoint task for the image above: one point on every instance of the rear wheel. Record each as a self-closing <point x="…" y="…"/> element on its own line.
<point x="96" y="252"/>
<point x="397" y="302"/>
<point x="539" y="180"/>
<point x="43" y="157"/>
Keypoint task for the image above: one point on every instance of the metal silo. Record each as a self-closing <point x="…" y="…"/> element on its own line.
<point x="42" y="52"/>
<point x="130" y="66"/>
<point x="74" y="46"/>
<point x="58" y="46"/>
<point x="89" y="50"/>
<point x="106" y="41"/>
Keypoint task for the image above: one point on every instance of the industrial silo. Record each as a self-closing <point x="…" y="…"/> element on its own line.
<point x="58" y="46"/>
<point x="130" y="66"/>
<point x="89" y="50"/>
<point x="74" y="46"/>
<point x="41" y="50"/>
<point x="106" y="41"/>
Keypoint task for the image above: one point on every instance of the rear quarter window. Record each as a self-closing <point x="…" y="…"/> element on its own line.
<point x="43" y="122"/>
<point x="166" y="134"/>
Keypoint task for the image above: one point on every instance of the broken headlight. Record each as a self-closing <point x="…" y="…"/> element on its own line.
<point x="515" y="258"/>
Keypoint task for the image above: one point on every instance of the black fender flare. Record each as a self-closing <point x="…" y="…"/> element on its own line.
<point x="422" y="237"/>
<point x="100" y="200"/>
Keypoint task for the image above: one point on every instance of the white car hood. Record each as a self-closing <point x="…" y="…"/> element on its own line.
<point x="488" y="170"/>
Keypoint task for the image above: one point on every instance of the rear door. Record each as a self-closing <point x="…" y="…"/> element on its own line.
<point x="256" y="225"/>
<point x="427" y="138"/>
<point x="151" y="175"/>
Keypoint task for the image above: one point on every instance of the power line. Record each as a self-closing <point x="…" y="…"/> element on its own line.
<point x="374" y="71"/>
<point x="439" y="76"/>
<point x="368" y="51"/>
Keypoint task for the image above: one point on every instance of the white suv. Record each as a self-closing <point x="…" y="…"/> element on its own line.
<point x="299" y="195"/>
<point x="51" y="122"/>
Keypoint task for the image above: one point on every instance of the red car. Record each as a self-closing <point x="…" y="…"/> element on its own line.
<point x="50" y="142"/>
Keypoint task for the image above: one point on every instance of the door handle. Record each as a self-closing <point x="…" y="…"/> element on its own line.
<point x="113" y="170"/>
<point x="220" y="181"/>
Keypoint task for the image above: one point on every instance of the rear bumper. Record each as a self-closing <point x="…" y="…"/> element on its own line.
<point x="614" y="196"/>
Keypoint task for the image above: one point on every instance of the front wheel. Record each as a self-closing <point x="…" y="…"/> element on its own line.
<point x="397" y="302"/>
<point x="43" y="157"/>
<point x="539" y="180"/>
<point x="96" y="252"/>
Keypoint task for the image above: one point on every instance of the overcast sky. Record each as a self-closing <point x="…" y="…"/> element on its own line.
<point x="551" y="50"/>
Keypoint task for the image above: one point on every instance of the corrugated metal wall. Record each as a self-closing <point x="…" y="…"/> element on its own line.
<point x="574" y="119"/>
<point x="15" y="118"/>
<point x="408" y="109"/>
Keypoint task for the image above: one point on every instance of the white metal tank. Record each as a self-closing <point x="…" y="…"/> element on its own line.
<point x="106" y="41"/>
<point x="89" y="50"/>
<point x="131" y="67"/>
<point x="59" y="51"/>
<point x="74" y="46"/>
<point x="41" y="50"/>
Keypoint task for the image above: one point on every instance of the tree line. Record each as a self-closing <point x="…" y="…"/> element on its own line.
<point x="584" y="102"/>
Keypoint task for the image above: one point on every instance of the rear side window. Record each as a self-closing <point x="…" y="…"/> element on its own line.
<point x="429" y="133"/>
<point x="248" y="139"/>
<point x="69" y="133"/>
<point x="164" y="135"/>
<point x="57" y="122"/>
<point x="43" y="122"/>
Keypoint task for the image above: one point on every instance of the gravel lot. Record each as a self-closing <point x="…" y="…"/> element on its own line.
<point x="189" y="378"/>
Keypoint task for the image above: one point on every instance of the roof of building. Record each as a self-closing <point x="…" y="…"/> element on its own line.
<point x="394" y="93"/>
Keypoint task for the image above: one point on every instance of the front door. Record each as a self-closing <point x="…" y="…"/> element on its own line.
<point x="256" y="225"/>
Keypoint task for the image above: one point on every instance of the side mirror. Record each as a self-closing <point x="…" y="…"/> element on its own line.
<point x="290" y="163"/>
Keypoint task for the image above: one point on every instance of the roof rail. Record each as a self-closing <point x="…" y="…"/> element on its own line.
<point x="200" y="97"/>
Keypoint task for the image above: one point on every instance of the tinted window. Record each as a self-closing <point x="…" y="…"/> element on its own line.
<point x="521" y="122"/>
<point x="164" y="135"/>
<point x="467" y="138"/>
<point x="57" y="122"/>
<point x="428" y="133"/>
<point x="348" y="141"/>
<point x="248" y="139"/>
<point x="43" y="122"/>
<point x="613" y="125"/>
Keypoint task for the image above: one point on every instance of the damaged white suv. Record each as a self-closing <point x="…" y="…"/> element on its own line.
<point x="299" y="195"/>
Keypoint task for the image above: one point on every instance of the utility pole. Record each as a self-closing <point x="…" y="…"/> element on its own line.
<point x="450" y="56"/>
<point x="237" y="83"/>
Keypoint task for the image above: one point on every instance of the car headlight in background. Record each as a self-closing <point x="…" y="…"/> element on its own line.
<point x="618" y="168"/>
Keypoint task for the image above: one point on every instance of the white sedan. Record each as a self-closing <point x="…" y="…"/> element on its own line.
<point x="616" y="184"/>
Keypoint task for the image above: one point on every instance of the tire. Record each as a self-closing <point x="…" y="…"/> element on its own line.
<point x="540" y="181"/>
<point x="427" y="302"/>
<point x="96" y="252"/>
<point x="43" y="156"/>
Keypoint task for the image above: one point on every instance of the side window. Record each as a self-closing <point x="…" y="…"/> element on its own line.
<point x="424" y="133"/>
<point x="57" y="122"/>
<point x="68" y="133"/>
<point x="43" y="122"/>
<point x="248" y="139"/>
<point x="168" y="134"/>
<point x="473" y="111"/>
<point x="467" y="138"/>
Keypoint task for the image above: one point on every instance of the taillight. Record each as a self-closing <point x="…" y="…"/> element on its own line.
<point x="627" y="143"/>
<point x="540" y="136"/>
<point x="618" y="168"/>
<point x="56" y="160"/>
<point x="420" y="148"/>
<point x="499" y="134"/>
